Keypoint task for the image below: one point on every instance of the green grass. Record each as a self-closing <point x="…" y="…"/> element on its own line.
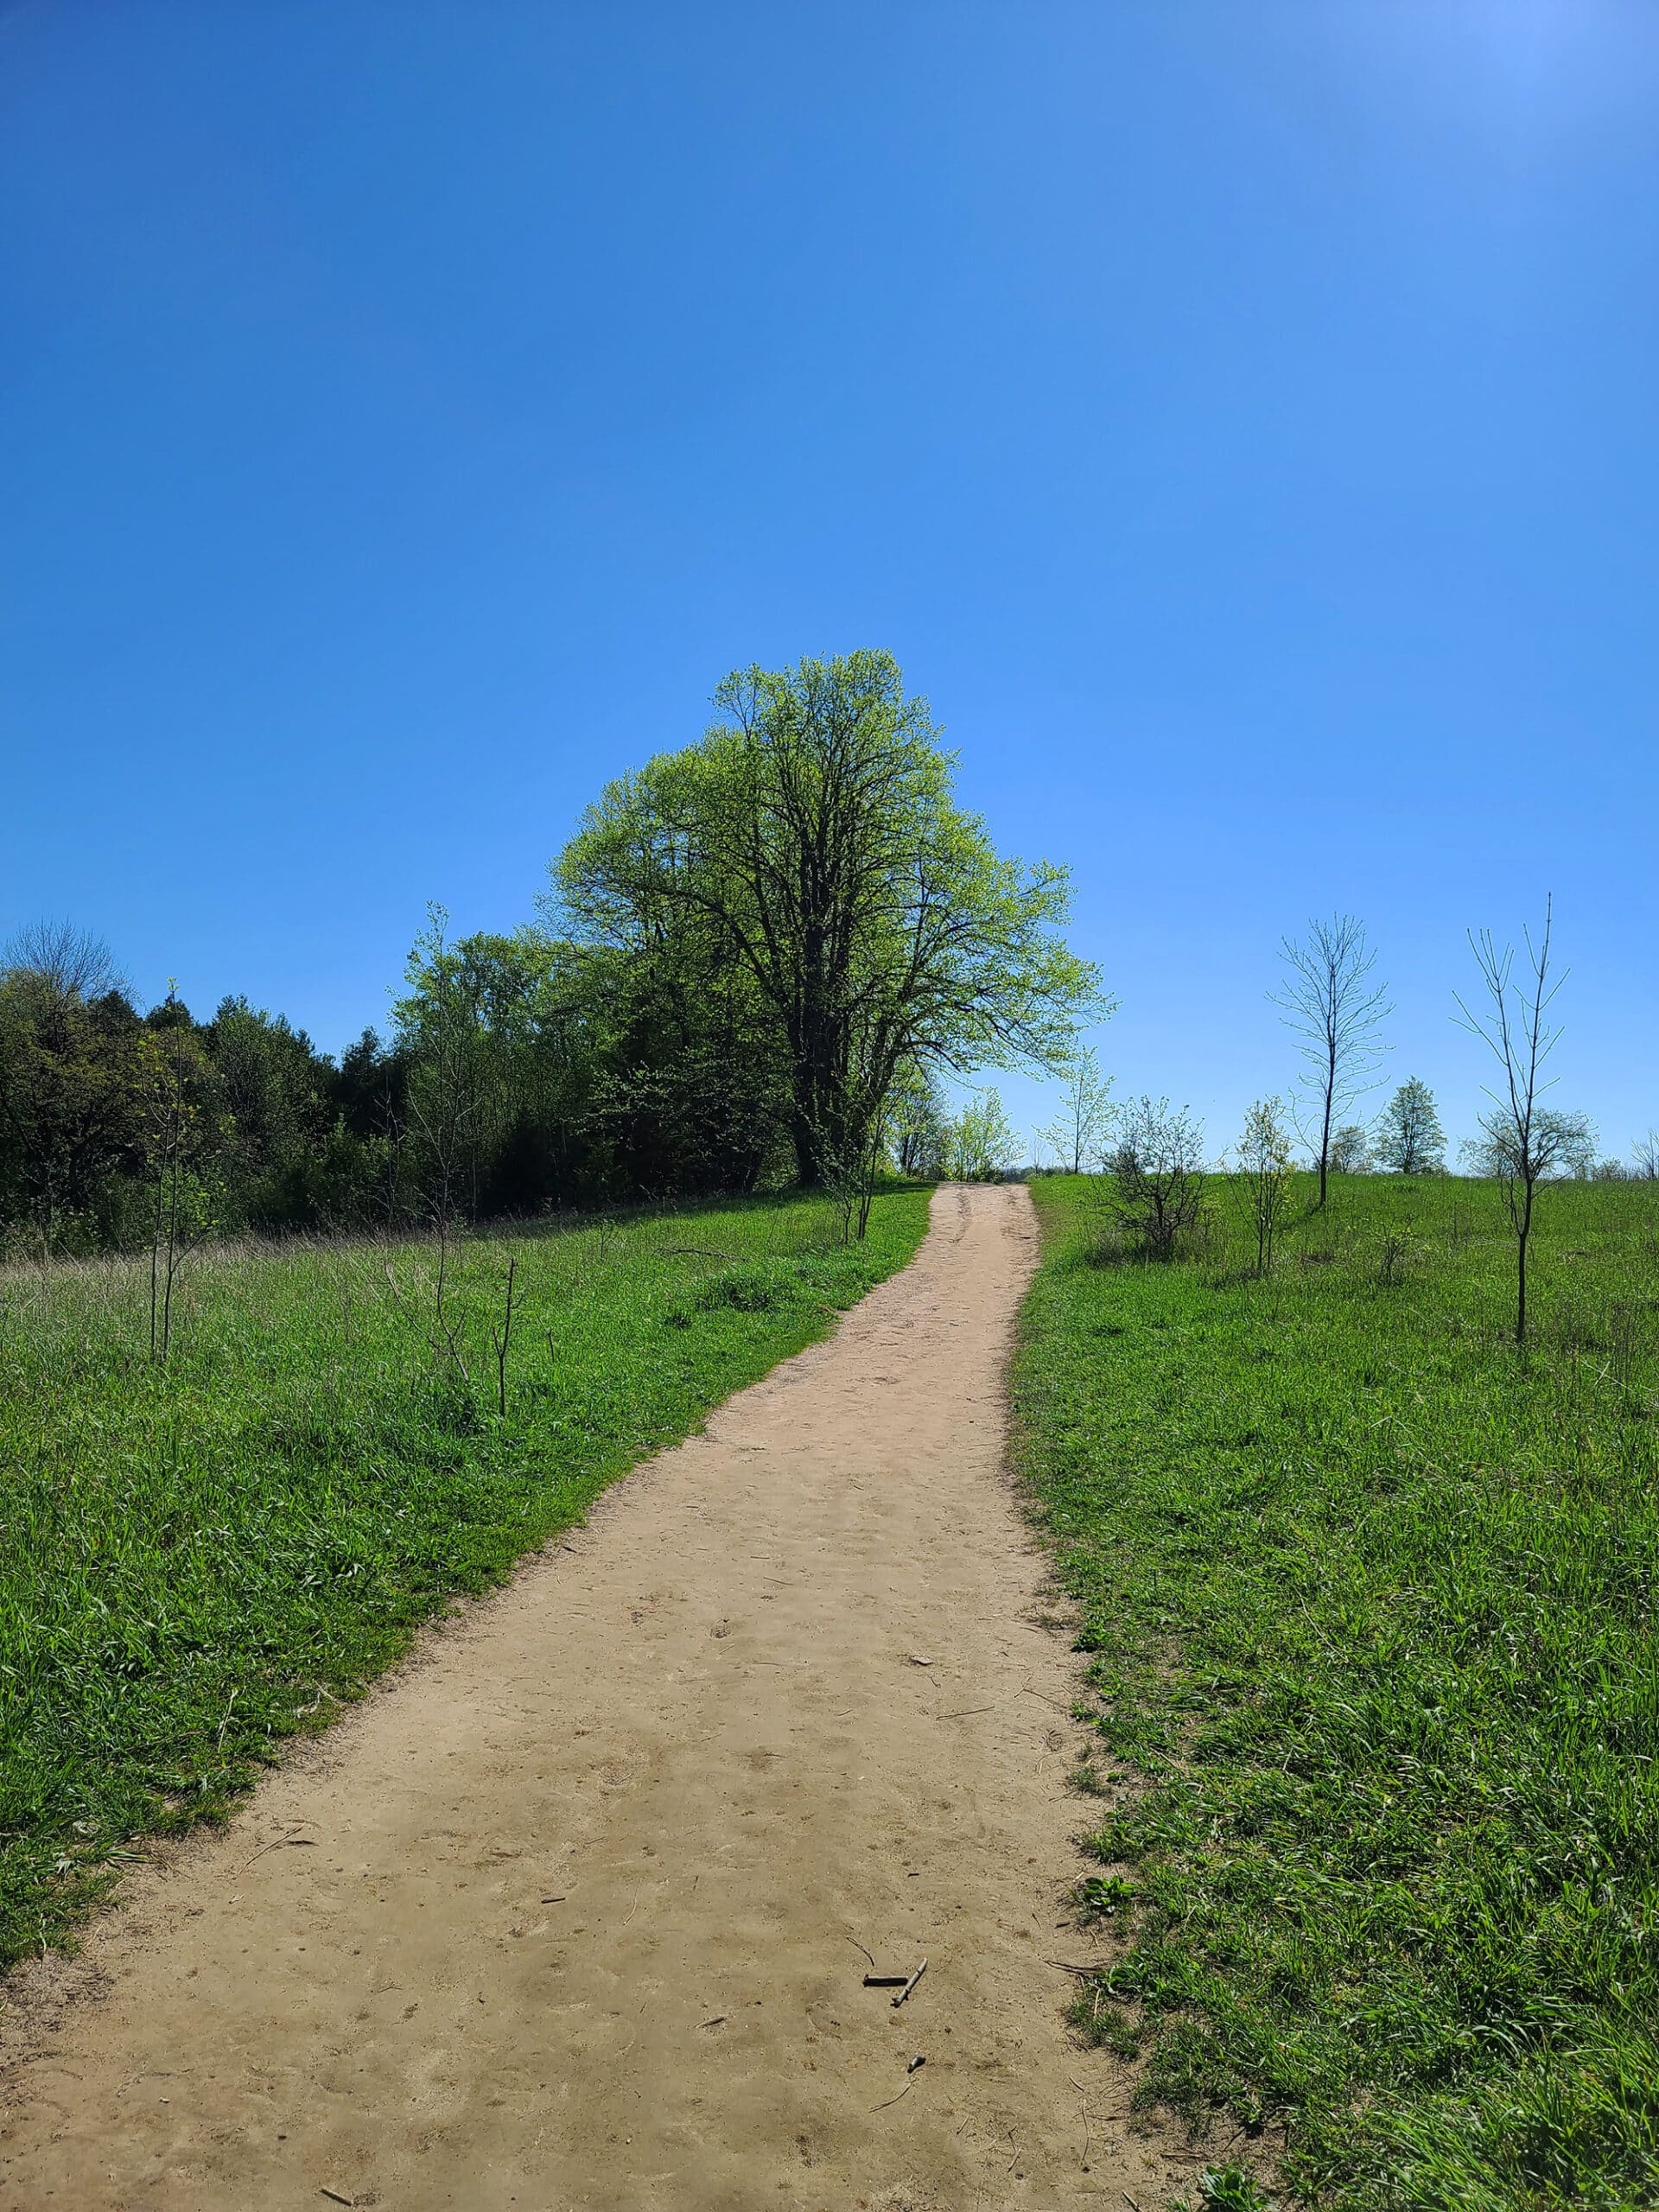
<point x="196" y="1563"/>
<point x="1370" y="1597"/>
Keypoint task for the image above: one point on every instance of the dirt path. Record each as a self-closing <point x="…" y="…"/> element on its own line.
<point x="575" y="1923"/>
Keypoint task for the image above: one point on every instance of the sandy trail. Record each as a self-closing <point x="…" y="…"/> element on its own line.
<point x="575" y="1925"/>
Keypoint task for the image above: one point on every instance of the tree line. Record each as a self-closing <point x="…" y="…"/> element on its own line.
<point x="754" y="964"/>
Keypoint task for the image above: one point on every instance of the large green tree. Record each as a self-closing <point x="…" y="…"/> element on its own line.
<point x="75" y="1076"/>
<point x="812" y="836"/>
<point x="277" y="1095"/>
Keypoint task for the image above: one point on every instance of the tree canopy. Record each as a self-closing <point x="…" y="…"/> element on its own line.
<point x="811" y="845"/>
<point x="1409" y="1139"/>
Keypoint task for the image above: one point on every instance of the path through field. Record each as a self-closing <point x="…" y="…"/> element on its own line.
<point x="569" y="1914"/>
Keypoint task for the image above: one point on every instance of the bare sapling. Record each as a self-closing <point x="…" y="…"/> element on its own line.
<point x="1262" y="1180"/>
<point x="444" y="1110"/>
<point x="1335" y="1011"/>
<point x="1522" y="1143"/>
<point x="502" y="1338"/>
<point x="180" y="1214"/>
<point x="1078" y="1133"/>
<point x="847" y="1170"/>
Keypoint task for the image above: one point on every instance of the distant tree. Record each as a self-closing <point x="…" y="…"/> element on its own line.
<point x="1611" y="1171"/>
<point x="1564" y="1145"/>
<point x="814" y="832"/>
<point x="661" y="1054"/>
<point x="276" y="1091"/>
<point x="980" y="1143"/>
<point x="917" y="1123"/>
<point x="1335" y="1010"/>
<point x="360" y="1175"/>
<point x="1351" y="1150"/>
<point x="369" y="1087"/>
<point x="1408" y="1139"/>
<point x="74" y="963"/>
<point x="1522" y="1143"/>
<point x="1079" y="1130"/>
<point x="1646" y="1156"/>
<point x="73" y="1079"/>
<point x="1159" y="1181"/>
<point x="442" y="1021"/>
<point x="170" y="1013"/>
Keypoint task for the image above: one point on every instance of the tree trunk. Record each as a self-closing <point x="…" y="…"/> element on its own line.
<point x="808" y="1164"/>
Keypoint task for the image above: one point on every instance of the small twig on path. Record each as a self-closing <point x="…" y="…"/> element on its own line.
<point x="910" y="1985"/>
<point x="905" y="2092"/>
<point x="886" y="1980"/>
<point x="275" y="1844"/>
<point x="857" y="1946"/>
<point x="967" y="1712"/>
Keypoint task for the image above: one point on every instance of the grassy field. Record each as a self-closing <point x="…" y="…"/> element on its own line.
<point x="1370" y="1601"/>
<point x="198" y="1562"/>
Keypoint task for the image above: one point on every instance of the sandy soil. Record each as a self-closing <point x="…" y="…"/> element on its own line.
<point x="570" y="1913"/>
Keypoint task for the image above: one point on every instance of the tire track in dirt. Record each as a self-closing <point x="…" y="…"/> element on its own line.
<point x="576" y="1920"/>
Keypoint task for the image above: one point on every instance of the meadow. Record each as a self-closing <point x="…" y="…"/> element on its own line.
<point x="1369" y="1601"/>
<point x="200" y="1559"/>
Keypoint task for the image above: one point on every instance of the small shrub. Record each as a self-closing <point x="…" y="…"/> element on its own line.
<point x="1158" y="1186"/>
<point x="1396" y="1252"/>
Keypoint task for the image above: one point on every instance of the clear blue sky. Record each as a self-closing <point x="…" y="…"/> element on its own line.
<point x="1240" y="419"/>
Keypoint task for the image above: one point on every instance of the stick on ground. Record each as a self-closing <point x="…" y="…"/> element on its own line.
<point x="910" y="1985"/>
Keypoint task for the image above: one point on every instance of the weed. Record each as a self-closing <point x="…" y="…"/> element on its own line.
<point x="1232" y="2189"/>
<point x="1101" y="1897"/>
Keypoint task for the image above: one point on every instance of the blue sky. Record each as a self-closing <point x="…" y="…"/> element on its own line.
<point x="1240" y="418"/>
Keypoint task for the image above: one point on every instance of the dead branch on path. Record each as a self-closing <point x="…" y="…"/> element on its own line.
<point x="910" y="1985"/>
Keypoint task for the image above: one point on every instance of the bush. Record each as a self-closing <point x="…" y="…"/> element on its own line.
<point x="1158" y="1175"/>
